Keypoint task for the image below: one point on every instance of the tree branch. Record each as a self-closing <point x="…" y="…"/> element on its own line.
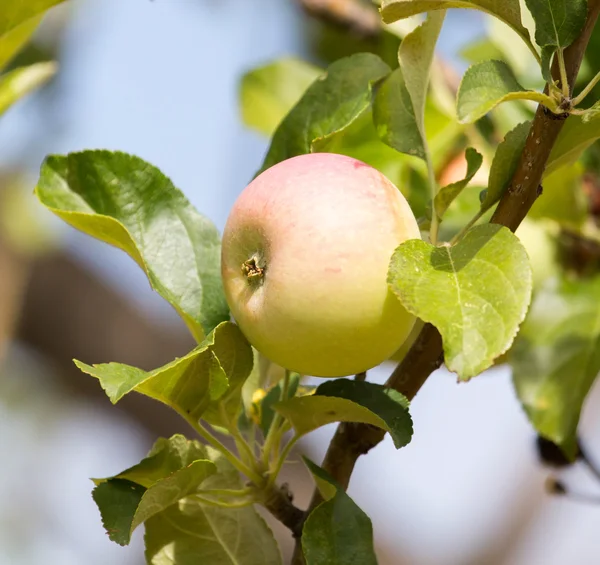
<point x="278" y="502"/>
<point x="350" y="441"/>
<point x="354" y="15"/>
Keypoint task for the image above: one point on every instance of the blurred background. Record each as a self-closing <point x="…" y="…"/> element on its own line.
<point x="160" y="79"/>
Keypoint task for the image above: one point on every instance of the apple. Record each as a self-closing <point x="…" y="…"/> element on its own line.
<point x="305" y="255"/>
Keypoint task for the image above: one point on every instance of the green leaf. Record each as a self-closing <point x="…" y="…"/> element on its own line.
<point x="267" y="412"/>
<point x="337" y="532"/>
<point x="574" y="138"/>
<point x="325" y="483"/>
<point x="563" y="199"/>
<point x="12" y="41"/>
<point x="118" y="501"/>
<point x="592" y="113"/>
<point x="16" y="84"/>
<point x="546" y="62"/>
<point x="268" y="93"/>
<point x="213" y="371"/>
<point x="448" y="193"/>
<point x="124" y="201"/>
<point x="165" y="457"/>
<point x="557" y="22"/>
<point x="504" y="165"/>
<point x="481" y="50"/>
<point x="399" y="107"/>
<point x="124" y="511"/>
<point x="16" y="12"/>
<point x="416" y="56"/>
<point x="395" y="119"/>
<point x="509" y="11"/>
<point x="174" y="469"/>
<point x="361" y="141"/>
<point x="192" y="532"/>
<point x="330" y="105"/>
<point x="475" y="293"/>
<point x="487" y="84"/>
<point x="556" y="358"/>
<point x="343" y="400"/>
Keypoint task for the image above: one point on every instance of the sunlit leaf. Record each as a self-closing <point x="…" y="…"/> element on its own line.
<point x="487" y="84"/>
<point x="475" y="293"/>
<point x="16" y="84"/>
<point x="125" y="201"/>
<point x="509" y="11"/>
<point x="16" y="12"/>
<point x="211" y="372"/>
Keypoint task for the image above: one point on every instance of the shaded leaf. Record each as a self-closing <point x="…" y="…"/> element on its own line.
<point x="361" y="141"/>
<point x="416" y="57"/>
<point x="557" y="22"/>
<point x="448" y="193"/>
<point x="192" y="532"/>
<point x="324" y="482"/>
<point x="165" y="457"/>
<point x="123" y="510"/>
<point x="268" y="93"/>
<point x="540" y="242"/>
<point x="174" y="468"/>
<point x="212" y="371"/>
<point x="509" y="11"/>
<point x="117" y="502"/>
<point x="556" y="358"/>
<point x="12" y="41"/>
<point x="337" y="532"/>
<point x="475" y="293"/>
<point x="343" y="400"/>
<point x="574" y="138"/>
<point x="563" y="199"/>
<point x="16" y="84"/>
<point x="487" y="84"/>
<point x="399" y="107"/>
<point x="395" y="119"/>
<point x="330" y="104"/>
<point x="504" y="165"/>
<point x="272" y="397"/>
<point x="546" y="62"/>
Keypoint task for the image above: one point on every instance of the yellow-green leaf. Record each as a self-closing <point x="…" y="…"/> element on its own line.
<point x="19" y="82"/>
<point x="475" y="293"/>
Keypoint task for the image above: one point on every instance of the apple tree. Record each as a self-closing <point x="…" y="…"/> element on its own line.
<point x="487" y="252"/>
